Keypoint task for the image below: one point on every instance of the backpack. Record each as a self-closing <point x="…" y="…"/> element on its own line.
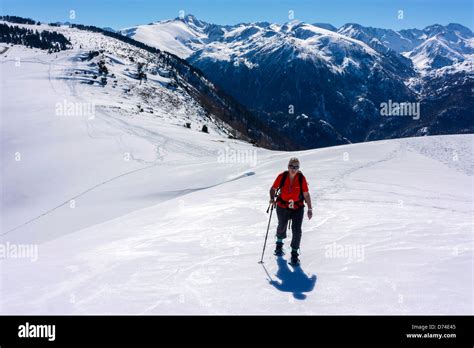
<point x="300" y="202"/>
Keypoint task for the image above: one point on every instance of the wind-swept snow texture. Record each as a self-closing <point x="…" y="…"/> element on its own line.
<point x="139" y="215"/>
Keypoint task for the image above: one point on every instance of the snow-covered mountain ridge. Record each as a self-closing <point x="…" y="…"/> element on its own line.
<point x="324" y="86"/>
<point x="435" y="46"/>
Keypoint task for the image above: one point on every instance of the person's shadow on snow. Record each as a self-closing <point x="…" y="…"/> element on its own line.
<point x="295" y="281"/>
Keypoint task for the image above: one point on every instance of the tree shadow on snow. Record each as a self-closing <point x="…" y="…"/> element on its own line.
<point x="293" y="280"/>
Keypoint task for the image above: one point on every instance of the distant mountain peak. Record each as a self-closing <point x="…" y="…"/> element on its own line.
<point x="191" y="19"/>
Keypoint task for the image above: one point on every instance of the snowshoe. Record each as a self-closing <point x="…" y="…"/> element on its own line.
<point x="279" y="249"/>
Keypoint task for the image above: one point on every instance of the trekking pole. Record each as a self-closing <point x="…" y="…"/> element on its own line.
<point x="268" y="228"/>
<point x="270" y="208"/>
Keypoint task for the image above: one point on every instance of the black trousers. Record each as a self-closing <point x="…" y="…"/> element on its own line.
<point x="296" y="217"/>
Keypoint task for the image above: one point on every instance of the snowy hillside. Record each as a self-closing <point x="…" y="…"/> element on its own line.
<point x="177" y="37"/>
<point x="392" y="234"/>
<point x="66" y="134"/>
<point x="153" y="82"/>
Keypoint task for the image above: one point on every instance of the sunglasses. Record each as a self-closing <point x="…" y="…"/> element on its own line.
<point x="293" y="167"/>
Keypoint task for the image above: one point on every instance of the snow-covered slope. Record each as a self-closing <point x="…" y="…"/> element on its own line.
<point x="437" y="52"/>
<point x="438" y="46"/>
<point x="180" y="37"/>
<point x="377" y="37"/>
<point x="392" y="234"/>
<point x="76" y="152"/>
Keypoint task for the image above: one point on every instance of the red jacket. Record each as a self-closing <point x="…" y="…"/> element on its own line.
<point x="290" y="191"/>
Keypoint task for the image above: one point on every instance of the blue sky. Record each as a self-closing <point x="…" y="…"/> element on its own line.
<point x="123" y="13"/>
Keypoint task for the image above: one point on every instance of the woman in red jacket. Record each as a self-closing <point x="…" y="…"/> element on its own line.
<point x="290" y="206"/>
